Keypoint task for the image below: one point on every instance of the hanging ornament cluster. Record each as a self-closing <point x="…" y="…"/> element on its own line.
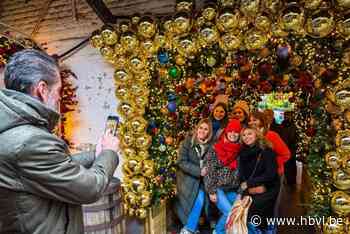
<point x="7" y="48"/>
<point x="170" y="72"/>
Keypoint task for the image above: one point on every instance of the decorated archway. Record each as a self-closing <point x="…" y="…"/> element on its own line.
<point x="170" y="70"/>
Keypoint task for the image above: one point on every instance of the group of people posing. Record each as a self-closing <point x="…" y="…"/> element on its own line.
<point x="226" y="156"/>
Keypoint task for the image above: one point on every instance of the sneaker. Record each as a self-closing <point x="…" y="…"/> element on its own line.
<point x="185" y="231"/>
<point x="212" y="224"/>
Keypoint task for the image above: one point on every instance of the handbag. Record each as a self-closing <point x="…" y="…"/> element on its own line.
<point x="236" y="222"/>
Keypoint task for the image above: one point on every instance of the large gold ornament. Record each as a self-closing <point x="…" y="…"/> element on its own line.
<point x="124" y="26"/>
<point x="181" y="23"/>
<point x="263" y="23"/>
<point x="148" y="48"/>
<point x="143" y="141"/>
<point x="320" y="24"/>
<point x="344" y="4"/>
<point x="184" y="6"/>
<point x="209" y="12"/>
<point x="341" y="179"/>
<point x="346" y="164"/>
<point x="340" y="203"/>
<point x="129" y="41"/>
<point x="333" y="160"/>
<point x="143" y="154"/>
<point x="332" y="227"/>
<point x="292" y="18"/>
<point x="272" y="6"/>
<point x="230" y="41"/>
<point x="250" y="8"/>
<point x="146" y="27"/>
<point x="127" y="140"/>
<point x="122" y="76"/>
<point x="132" y="167"/>
<point x="138" y="184"/>
<point x="136" y="64"/>
<point x="255" y="39"/>
<point x="109" y="36"/>
<point x="141" y="213"/>
<point x="129" y="152"/>
<point x="137" y="125"/>
<point x="342" y="94"/>
<point x="122" y="91"/>
<point x="107" y="52"/>
<point x="343" y="26"/>
<point x="227" y="20"/>
<point x="96" y="40"/>
<point x="312" y="4"/>
<point x="146" y="198"/>
<point x="126" y="109"/>
<point x="119" y="49"/>
<point x="208" y="36"/>
<point x="343" y="141"/>
<point x="186" y="46"/>
<point x="131" y="198"/>
<point x="148" y="168"/>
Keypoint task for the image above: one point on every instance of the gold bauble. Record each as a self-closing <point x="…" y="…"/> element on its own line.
<point x="137" y="125"/>
<point x="146" y="27"/>
<point x="186" y="46"/>
<point x="168" y="26"/>
<point x="122" y="76"/>
<point x="342" y="94"/>
<point x="143" y="77"/>
<point x="250" y="8"/>
<point x="136" y="64"/>
<point x="131" y="211"/>
<point x="96" y="41"/>
<point x="146" y="198"/>
<point x="227" y="20"/>
<point x="141" y="213"/>
<point x="129" y="152"/>
<point x="343" y="27"/>
<point x="200" y="21"/>
<point x="126" y="109"/>
<point x="312" y="4"/>
<point x="208" y="36"/>
<point x="129" y="41"/>
<point x="255" y="39"/>
<point x="227" y="3"/>
<point x="122" y="91"/>
<point x="343" y="3"/>
<point x="107" y="52"/>
<point x="124" y="26"/>
<point x="110" y="37"/>
<point x="346" y="164"/>
<point x="340" y="203"/>
<point x="272" y="6"/>
<point x="333" y="159"/>
<point x="135" y="19"/>
<point x="131" y="198"/>
<point x="277" y="31"/>
<point x="181" y="23"/>
<point x="180" y="60"/>
<point x="243" y="23"/>
<point x="127" y="140"/>
<point x="343" y="141"/>
<point x="263" y="23"/>
<point x="143" y="141"/>
<point x="119" y="49"/>
<point x="148" y="168"/>
<point x="334" y="227"/>
<point x="141" y="101"/>
<point x="132" y="167"/>
<point x="162" y="41"/>
<point x="292" y="18"/>
<point x="184" y="6"/>
<point x="120" y="62"/>
<point x="143" y="154"/>
<point x="230" y="41"/>
<point x="209" y="12"/>
<point x="320" y="24"/>
<point x="341" y="179"/>
<point x="138" y="184"/>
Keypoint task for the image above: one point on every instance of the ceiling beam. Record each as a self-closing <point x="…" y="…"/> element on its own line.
<point x="102" y="11"/>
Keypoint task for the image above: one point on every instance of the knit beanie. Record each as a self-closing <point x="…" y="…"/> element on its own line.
<point x="242" y="105"/>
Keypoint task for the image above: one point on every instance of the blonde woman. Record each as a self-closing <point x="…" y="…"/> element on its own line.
<point x="190" y="190"/>
<point x="258" y="174"/>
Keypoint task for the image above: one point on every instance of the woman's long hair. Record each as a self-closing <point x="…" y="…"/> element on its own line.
<point x="194" y="131"/>
<point x="261" y="116"/>
<point x="261" y="141"/>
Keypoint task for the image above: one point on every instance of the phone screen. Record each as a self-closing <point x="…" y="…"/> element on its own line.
<point x="112" y="124"/>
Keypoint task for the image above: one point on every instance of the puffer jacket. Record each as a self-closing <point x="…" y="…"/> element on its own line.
<point x="41" y="186"/>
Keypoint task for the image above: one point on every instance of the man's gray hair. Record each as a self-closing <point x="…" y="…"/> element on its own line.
<point x="27" y="67"/>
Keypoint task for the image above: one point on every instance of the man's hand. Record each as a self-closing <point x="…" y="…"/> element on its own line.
<point x="204" y="171"/>
<point x="213" y="197"/>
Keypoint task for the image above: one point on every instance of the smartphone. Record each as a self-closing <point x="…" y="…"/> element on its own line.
<point x="112" y="124"/>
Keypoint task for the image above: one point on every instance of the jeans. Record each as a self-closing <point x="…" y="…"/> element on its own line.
<point x="224" y="203"/>
<point x="193" y="218"/>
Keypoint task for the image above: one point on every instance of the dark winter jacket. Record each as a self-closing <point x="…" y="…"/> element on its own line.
<point x="265" y="174"/>
<point x="41" y="186"/>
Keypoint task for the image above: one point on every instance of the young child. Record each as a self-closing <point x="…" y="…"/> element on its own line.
<point x="222" y="178"/>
